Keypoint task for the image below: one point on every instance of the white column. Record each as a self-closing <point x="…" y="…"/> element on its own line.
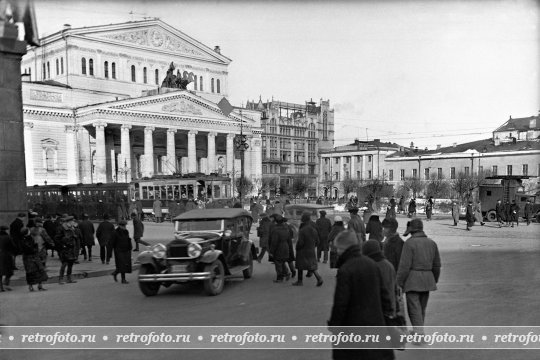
<point x="363" y="171"/>
<point x="192" y="151"/>
<point x="124" y="163"/>
<point x="211" y="164"/>
<point x="100" y="157"/>
<point x="85" y="156"/>
<point x="71" y="164"/>
<point x="148" y="169"/>
<point x="230" y="152"/>
<point x="170" y="166"/>
<point x="353" y="168"/>
<point x="28" y="152"/>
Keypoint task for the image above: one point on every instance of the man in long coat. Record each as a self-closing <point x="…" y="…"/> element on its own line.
<point x="528" y="212"/>
<point x="104" y="234"/>
<point x="455" y="212"/>
<point x="87" y="233"/>
<point x="305" y="250"/>
<point x="499" y="210"/>
<point x="514" y="213"/>
<point x="158" y="212"/>
<point x="7" y="250"/>
<point x="324" y="226"/>
<point x="138" y="231"/>
<point x="360" y="298"/>
<point x="263" y="232"/>
<point x="412" y="208"/>
<point x="121" y="245"/>
<point x="15" y="233"/>
<point x="418" y="272"/>
<point x="393" y="243"/>
<point x="469" y="216"/>
<point x="356" y="224"/>
<point x="67" y="242"/>
<point x="280" y="236"/>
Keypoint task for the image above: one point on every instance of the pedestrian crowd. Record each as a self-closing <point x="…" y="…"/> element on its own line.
<point x="377" y="276"/>
<point x="32" y="237"/>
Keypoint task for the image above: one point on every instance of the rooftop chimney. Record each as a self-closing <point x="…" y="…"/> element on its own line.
<point x="217" y="49"/>
<point x="454" y="145"/>
<point x="438" y="146"/>
<point x="67" y="26"/>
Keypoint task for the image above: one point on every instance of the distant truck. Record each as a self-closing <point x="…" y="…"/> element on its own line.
<point x="505" y="188"/>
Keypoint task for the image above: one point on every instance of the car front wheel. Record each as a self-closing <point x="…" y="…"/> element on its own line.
<point x="148" y="288"/>
<point x="214" y="285"/>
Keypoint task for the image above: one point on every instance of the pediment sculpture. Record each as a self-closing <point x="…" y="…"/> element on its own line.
<point x="178" y="81"/>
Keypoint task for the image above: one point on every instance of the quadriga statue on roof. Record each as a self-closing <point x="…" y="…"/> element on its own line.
<point x="176" y="81"/>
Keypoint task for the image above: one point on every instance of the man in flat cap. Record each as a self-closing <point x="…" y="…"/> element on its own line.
<point x="418" y="273"/>
<point x="324" y="226"/>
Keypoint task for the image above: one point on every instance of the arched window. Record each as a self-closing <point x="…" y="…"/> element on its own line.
<point x="133" y="73"/>
<point x="113" y="70"/>
<point x="201" y="83"/>
<point x="57" y="67"/>
<point x="50" y="154"/>
<point x="44" y="71"/>
<point x="106" y="69"/>
<point x="325" y="125"/>
<point x="49" y="159"/>
<point x="48" y="70"/>
<point x="145" y="78"/>
<point x="91" y="66"/>
<point x="195" y="82"/>
<point x="212" y="85"/>
<point x="218" y="86"/>
<point x="62" y="65"/>
<point x="157" y="77"/>
<point x="83" y="64"/>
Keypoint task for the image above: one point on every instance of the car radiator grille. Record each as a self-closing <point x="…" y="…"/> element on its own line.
<point x="177" y="250"/>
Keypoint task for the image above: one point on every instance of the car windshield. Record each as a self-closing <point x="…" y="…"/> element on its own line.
<point x="199" y="225"/>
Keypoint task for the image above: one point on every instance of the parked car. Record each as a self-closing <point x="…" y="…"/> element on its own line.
<point x="293" y="212"/>
<point x="209" y="245"/>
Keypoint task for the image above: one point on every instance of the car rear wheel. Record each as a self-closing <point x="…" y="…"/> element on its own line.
<point x="148" y="288"/>
<point x="248" y="273"/>
<point x="214" y="285"/>
<point x="491" y="216"/>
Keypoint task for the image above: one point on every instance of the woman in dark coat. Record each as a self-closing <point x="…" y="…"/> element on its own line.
<point x="412" y="208"/>
<point x="7" y="251"/>
<point x="469" y="216"/>
<point x="280" y="236"/>
<point x="34" y="250"/>
<point x="121" y="245"/>
<point x="374" y="228"/>
<point x="306" y="258"/>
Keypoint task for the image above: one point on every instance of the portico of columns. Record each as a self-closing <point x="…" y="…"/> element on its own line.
<point x="125" y="163"/>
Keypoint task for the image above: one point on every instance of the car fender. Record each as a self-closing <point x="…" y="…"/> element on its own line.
<point x="146" y="258"/>
<point x="210" y="256"/>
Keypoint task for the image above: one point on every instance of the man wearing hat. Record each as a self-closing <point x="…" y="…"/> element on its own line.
<point x="418" y="272"/>
<point x="16" y="236"/>
<point x="67" y="243"/>
<point x="356" y="224"/>
<point x="87" y="233"/>
<point x="263" y="232"/>
<point x="121" y="245"/>
<point x="324" y="226"/>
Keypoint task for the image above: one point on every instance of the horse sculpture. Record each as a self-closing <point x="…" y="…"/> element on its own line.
<point x="176" y="81"/>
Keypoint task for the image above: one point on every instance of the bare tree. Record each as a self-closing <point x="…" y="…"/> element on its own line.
<point x="270" y="185"/>
<point x="465" y="184"/>
<point x="438" y="187"/>
<point x="349" y="185"/>
<point x="300" y="186"/>
<point x="413" y="184"/>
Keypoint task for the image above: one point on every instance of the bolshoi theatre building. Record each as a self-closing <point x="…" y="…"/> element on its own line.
<point x="110" y="103"/>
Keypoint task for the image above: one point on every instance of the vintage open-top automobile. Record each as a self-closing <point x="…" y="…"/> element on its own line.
<point x="209" y="245"/>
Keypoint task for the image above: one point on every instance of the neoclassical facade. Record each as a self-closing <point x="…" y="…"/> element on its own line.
<point x="93" y="113"/>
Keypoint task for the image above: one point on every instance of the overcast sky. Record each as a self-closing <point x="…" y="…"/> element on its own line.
<point x="423" y="71"/>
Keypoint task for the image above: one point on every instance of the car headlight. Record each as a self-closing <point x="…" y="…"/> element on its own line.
<point x="159" y="251"/>
<point x="194" y="250"/>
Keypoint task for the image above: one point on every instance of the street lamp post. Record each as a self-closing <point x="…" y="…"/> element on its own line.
<point x="241" y="145"/>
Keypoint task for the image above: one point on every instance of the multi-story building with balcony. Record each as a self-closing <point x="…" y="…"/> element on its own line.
<point x="293" y="135"/>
